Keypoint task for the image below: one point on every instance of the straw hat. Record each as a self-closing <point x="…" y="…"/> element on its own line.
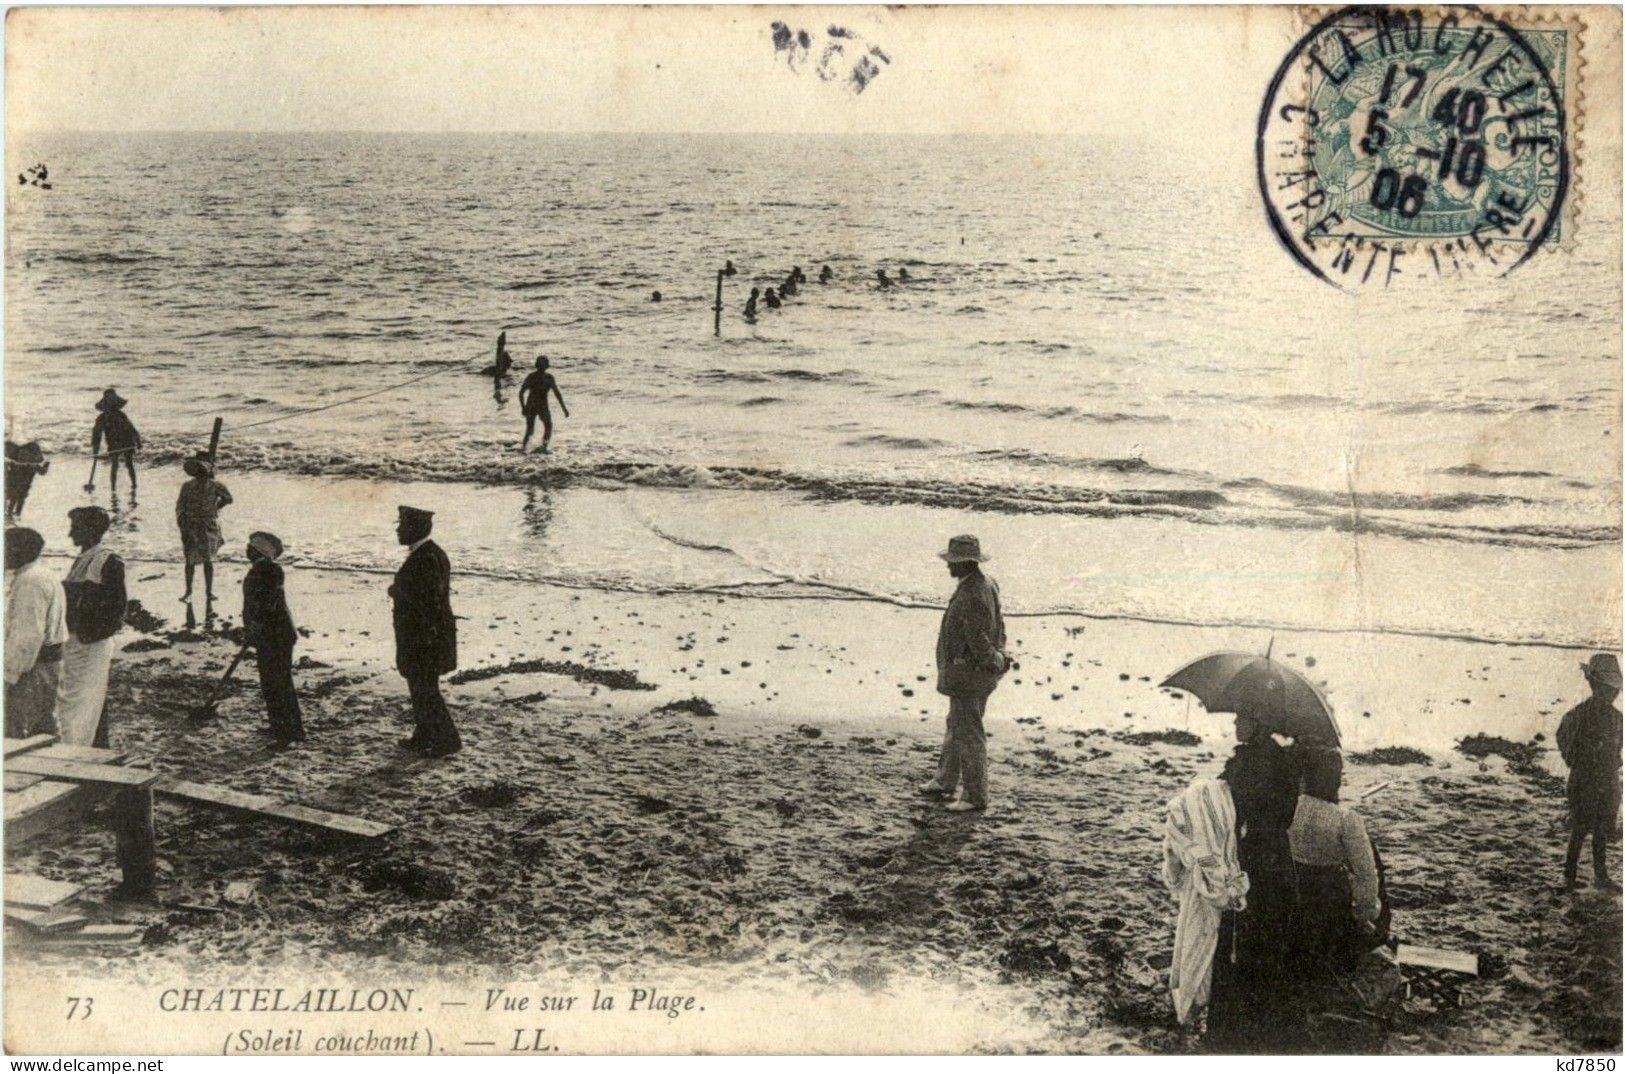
<point x="267" y="544"/>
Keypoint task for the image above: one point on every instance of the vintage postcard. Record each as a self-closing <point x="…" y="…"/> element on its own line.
<point x="574" y="530"/>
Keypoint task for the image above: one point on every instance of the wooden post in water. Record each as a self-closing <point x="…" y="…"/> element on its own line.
<point x="214" y="439"/>
<point x="716" y="326"/>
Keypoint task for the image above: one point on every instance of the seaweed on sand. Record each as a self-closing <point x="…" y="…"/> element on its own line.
<point x="1391" y="755"/>
<point x="611" y="678"/>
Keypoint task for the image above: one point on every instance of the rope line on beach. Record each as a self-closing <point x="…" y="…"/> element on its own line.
<point x="838" y="592"/>
<point x="849" y="592"/>
<point x="355" y="398"/>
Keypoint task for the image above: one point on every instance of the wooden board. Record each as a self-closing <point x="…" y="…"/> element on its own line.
<point x="26" y="891"/>
<point x="1436" y="958"/>
<point x="50" y="804"/>
<point x="17" y="781"/>
<point x="92" y="935"/>
<point x="82" y="771"/>
<point x="90" y="754"/>
<point x="58" y="920"/>
<point x="219" y="797"/>
<point x="15" y="746"/>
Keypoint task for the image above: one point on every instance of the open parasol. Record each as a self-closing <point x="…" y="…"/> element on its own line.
<point x="1274" y="694"/>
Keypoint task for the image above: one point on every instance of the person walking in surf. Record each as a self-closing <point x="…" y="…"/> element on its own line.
<point x="533" y="402"/>
<point x="498" y="370"/>
<point x="123" y="441"/>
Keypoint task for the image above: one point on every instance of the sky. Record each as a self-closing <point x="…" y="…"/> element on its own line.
<point x="1166" y="72"/>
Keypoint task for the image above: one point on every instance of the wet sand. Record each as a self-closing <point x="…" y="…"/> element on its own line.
<point x="595" y="830"/>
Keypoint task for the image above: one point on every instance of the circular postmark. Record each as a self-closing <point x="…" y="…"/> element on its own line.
<point x="1400" y="145"/>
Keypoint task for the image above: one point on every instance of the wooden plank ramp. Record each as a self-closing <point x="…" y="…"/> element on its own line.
<point x="45" y="805"/>
<point x="82" y="771"/>
<point x="210" y="794"/>
<point x="88" y="754"/>
<point x="26" y="891"/>
<point x="17" y="746"/>
<point x="92" y="936"/>
<point x="1437" y="958"/>
<point x="59" y="920"/>
<point x="16" y="781"/>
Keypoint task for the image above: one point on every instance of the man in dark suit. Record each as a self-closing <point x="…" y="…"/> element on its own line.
<point x="970" y="662"/>
<point x="425" y="633"/>
<point x="268" y="627"/>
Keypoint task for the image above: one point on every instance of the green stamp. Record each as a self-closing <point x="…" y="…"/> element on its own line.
<point x="1402" y="143"/>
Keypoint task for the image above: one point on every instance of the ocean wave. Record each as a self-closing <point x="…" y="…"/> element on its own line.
<point x="762" y="400"/>
<point x="74" y="257"/>
<point x="752" y="376"/>
<point x="1111" y="417"/>
<point x="910" y="443"/>
<point x="1473" y="469"/>
<point x="1318" y="510"/>
<point x="1399" y="408"/>
<point x="740" y="376"/>
<point x="846" y="376"/>
<point x="237" y="331"/>
<point x="1380" y="501"/>
<point x="1133" y="465"/>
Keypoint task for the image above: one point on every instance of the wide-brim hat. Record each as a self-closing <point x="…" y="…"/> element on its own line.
<point x="1603" y="668"/>
<point x="198" y="466"/>
<point x="110" y="400"/>
<point x="964" y="549"/>
<point x="267" y="544"/>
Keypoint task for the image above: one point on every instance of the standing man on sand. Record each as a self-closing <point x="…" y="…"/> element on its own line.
<point x="970" y="662"/>
<point x="123" y="441"/>
<point x="94" y="611"/>
<point x="425" y="633"/>
<point x="533" y="403"/>
<point x="268" y="627"/>
<point x="1589" y="739"/>
<point x="35" y="630"/>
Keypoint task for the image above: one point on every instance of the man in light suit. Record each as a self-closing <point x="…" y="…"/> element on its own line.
<point x="970" y="662"/>
<point x="425" y="633"/>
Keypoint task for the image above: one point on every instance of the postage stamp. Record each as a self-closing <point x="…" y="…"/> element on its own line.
<point x="1399" y="145"/>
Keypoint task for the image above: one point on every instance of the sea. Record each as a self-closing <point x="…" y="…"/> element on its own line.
<point x="1101" y="364"/>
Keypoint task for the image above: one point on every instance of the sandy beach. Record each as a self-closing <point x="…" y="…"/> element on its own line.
<point x="666" y="788"/>
<point x="1141" y="346"/>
